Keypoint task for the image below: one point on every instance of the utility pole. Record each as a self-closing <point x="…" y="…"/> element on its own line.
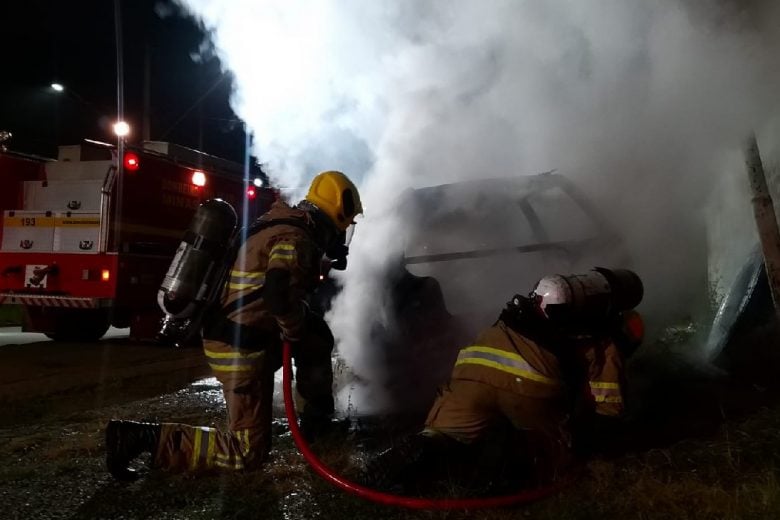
<point x="146" y="134"/>
<point x="120" y="70"/>
<point x="766" y="219"/>
<point x="120" y="114"/>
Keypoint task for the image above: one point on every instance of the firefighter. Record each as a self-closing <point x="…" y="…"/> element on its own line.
<point x="546" y="355"/>
<point x="264" y="302"/>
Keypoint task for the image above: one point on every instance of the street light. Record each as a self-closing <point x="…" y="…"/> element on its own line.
<point x="67" y="91"/>
<point x="121" y="129"/>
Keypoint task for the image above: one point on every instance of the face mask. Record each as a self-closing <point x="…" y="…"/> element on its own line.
<point x="339" y="250"/>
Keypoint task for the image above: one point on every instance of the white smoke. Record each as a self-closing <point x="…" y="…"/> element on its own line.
<point x="643" y="103"/>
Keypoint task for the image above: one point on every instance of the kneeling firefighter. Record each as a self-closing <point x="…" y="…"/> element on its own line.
<point x="559" y="349"/>
<point x="263" y="303"/>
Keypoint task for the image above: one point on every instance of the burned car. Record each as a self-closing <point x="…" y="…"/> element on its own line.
<point x="472" y="245"/>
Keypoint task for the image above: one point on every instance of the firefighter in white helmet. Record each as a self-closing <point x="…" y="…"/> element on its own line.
<point x="570" y="336"/>
<point x="263" y="303"/>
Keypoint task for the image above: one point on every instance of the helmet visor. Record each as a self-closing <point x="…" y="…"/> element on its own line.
<point x="348" y="234"/>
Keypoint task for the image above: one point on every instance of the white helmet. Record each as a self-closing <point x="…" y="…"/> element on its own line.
<point x="551" y="290"/>
<point x="565" y="298"/>
<point x="590" y="296"/>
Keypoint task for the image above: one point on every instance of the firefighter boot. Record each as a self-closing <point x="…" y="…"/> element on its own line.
<point x="315" y="399"/>
<point x="386" y="470"/>
<point x="126" y="440"/>
<point x="316" y="426"/>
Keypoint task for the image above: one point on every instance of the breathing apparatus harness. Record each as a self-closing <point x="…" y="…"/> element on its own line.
<point x="221" y="328"/>
<point x="190" y="293"/>
<point x="579" y="314"/>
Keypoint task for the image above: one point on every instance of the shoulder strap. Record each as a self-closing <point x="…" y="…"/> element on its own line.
<point x="253" y="229"/>
<point x="260" y="224"/>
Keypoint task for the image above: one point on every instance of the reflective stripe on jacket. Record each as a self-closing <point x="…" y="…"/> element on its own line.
<point x="508" y="362"/>
<point x="283" y="246"/>
<point x="245" y="280"/>
<point x="503" y="358"/>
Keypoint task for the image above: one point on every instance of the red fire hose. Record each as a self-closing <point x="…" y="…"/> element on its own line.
<point x="522" y="497"/>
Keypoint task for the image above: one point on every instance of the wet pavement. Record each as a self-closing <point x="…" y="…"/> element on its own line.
<point x="15" y="336"/>
<point x="43" y="368"/>
<point x="55" y="400"/>
<point x="53" y="468"/>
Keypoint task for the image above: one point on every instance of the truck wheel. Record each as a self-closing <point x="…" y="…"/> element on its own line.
<point x="79" y="325"/>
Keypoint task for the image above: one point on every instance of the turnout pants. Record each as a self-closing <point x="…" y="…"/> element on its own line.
<point x="247" y="379"/>
<point x="465" y="410"/>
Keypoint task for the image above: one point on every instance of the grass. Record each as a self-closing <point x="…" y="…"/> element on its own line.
<point x="732" y="474"/>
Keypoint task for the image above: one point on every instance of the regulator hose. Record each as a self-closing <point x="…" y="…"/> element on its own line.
<point x="522" y="497"/>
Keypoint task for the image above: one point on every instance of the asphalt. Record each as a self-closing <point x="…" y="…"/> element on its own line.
<point x="33" y="366"/>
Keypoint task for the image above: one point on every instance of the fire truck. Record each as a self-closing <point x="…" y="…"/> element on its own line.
<point x="84" y="244"/>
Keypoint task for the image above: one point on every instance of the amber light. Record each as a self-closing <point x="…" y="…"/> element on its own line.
<point x="105" y="275"/>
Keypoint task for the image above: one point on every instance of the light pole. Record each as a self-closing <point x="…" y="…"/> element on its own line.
<point x="121" y="128"/>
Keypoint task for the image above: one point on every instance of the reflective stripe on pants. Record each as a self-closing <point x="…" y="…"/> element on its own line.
<point x="247" y="384"/>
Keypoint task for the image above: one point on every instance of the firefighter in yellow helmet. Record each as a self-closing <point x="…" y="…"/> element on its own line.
<point x="564" y="344"/>
<point x="264" y="302"/>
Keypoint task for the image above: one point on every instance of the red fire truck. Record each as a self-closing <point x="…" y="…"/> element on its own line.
<point x="85" y="245"/>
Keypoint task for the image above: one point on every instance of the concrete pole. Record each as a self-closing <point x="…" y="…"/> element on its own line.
<point x="147" y="124"/>
<point x="766" y="220"/>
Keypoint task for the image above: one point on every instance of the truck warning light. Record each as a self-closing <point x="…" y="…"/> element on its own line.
<point x="198" y="178"/>
<point x="131" y="162"/>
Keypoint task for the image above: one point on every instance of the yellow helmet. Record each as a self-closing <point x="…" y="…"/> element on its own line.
<point x="335" y="195"/>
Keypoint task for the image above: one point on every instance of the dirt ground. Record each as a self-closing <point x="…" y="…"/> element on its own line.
<point x="704" y="448"/>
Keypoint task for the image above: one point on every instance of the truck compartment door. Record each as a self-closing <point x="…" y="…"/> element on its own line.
<point x="27" y="231"/>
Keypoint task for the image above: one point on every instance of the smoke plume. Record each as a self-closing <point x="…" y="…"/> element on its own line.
<point x="644" y="104"/>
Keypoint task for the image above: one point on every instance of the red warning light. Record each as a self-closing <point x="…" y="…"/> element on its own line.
<point x="131" y="162"/>
<point x="251" y="193"/>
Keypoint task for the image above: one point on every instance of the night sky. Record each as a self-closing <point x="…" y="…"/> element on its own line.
<point x="73" y="43"/>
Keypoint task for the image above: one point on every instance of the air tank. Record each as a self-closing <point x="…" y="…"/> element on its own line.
<point x="198" y="269"/>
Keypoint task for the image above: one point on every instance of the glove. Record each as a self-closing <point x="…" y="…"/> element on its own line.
<point x="338" y="256"/>
<point x="293" y="324"/>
